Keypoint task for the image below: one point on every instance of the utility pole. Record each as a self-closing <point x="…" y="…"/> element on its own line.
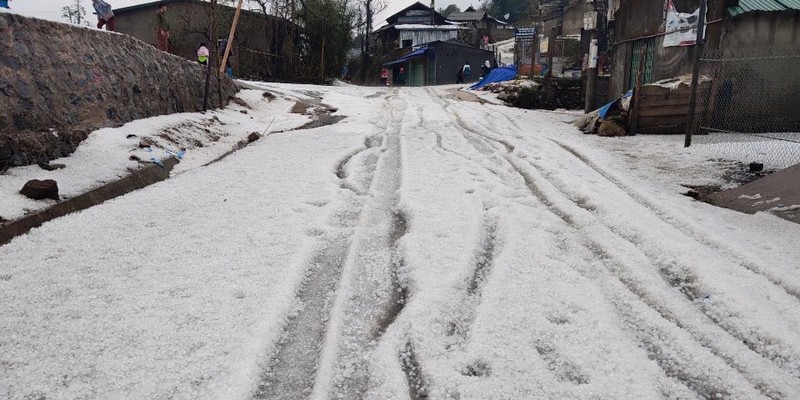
<point x="535" y="17"/>
<point x="698" y="49"/>
<point x="597" y="20"/>
<point x="591" y="74"/>
<point x="551" y="44"/>
<point x="590" y="23"/>
<point x="215" y="46"/>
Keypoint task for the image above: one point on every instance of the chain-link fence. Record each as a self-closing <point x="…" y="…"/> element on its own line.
<point x="748" y="105"/>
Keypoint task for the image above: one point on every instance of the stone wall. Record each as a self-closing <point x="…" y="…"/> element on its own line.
<point x="553" y="93"/>
<point x="60" y="82"/>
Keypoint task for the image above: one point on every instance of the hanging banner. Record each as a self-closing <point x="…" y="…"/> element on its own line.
<point x="543" y="44"/>
<point x="681" y="28"/>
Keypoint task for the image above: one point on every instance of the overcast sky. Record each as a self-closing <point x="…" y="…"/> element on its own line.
<point x="51" y="9"/>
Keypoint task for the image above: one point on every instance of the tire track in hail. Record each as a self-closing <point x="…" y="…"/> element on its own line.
<point x="720" y="248"/>
<point x="667" y="364"/>
<point x="292" y="369"/>
<point x="680" y="277"/>
<point x="376" y="291"/>
<point x="488" y="247"/>
<point x="686" y="285"/>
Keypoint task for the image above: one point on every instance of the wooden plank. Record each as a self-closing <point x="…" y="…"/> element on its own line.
<point x="658" y="101"/>
<point x="650" y="90"/>
<point x="662" y="121"/>
<point x="655" y="90"/>
<point x="661" y="111"/>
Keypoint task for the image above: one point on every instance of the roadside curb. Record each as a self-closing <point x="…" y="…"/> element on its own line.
<point x="137" y="180"/>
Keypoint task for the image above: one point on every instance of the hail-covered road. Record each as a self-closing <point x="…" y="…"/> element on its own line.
<point x="424" y="247"/>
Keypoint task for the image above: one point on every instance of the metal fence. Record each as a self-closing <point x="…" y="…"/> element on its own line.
<point x="748" y="105"/>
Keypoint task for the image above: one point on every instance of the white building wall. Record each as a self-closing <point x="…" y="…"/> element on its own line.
<point x="419" y="37"/>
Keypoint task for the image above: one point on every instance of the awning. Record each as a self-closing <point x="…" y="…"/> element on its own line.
<point x="413" y="54"/>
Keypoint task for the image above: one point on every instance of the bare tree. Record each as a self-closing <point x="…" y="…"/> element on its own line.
<point x="75" y="13"/>
<point x="370" y="8"/>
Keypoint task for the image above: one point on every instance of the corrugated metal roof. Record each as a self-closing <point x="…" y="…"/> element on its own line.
<point x="746" y="6"/>
<point x="467" y="16"/>
<point x="791" y="4"/>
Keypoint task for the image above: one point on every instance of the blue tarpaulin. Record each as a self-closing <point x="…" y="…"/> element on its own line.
<point x="403" y="59"/>
<point x="606" y="108"/>
<point x="497" y="75"/>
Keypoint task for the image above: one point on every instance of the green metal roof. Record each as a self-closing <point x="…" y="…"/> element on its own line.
<point x="746" y="6"/>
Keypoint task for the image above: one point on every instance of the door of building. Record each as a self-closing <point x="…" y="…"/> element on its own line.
<point x="649" y="48"/>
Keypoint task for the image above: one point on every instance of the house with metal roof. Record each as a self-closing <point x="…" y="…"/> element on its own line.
<point x="426" y="46"/>
<point x="437" y="63"/>
<point x="485" y="28"/>
<point x="414" y="25"/>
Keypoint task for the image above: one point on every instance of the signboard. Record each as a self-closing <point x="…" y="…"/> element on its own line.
<point x="681" y="28"/>
<point x="590" y="20"/>
<point x="544" y="44"/>
<point x="525" y="33"/>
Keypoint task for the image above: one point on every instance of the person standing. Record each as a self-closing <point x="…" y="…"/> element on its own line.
<point x="223" y="45"/>
<point x="4" y="4"/>
<point x="465" y="72"/>
<point x="486" y="68"/>
<point x="202" y="54"/>
<point x="104" y="15"/>
<point x="385" y="77"/>
<point x="162" y="28"/>
<point x="401" y="77"/>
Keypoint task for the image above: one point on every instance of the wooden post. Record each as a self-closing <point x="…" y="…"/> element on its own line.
<point x="230" y="37"/>
<point x="698" y="48"/>
<point x="208" y="81"/>
<point x="637" y="89"/>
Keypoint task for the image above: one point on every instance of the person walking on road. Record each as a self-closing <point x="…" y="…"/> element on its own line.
<point x="104" y="15"/>
<point x="162" y="28"/>
<point x="465" y="70"/>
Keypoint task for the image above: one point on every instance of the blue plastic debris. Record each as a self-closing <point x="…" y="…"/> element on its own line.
<point x="501" y="74"/>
